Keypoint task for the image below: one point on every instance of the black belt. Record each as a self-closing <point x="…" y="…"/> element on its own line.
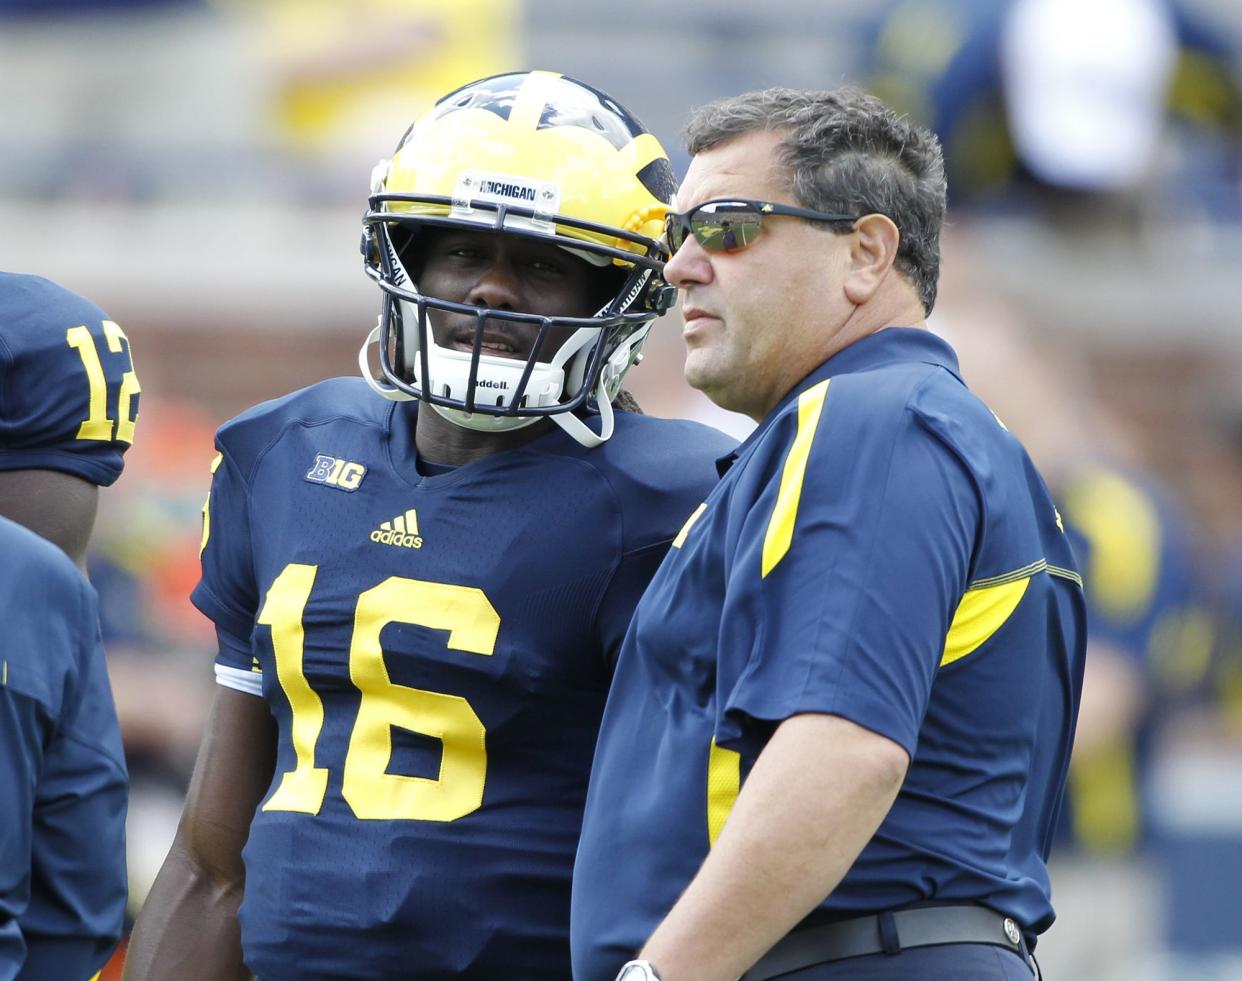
<point x="889" y="933"/>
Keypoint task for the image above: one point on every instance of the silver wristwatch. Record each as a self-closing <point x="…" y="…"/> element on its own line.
<point x="638" y="971"/>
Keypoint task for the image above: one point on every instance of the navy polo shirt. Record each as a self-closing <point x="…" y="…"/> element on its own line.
<point x="881" y="549"/>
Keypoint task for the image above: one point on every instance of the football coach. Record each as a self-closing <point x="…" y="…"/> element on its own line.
<point x="838" y="733"/>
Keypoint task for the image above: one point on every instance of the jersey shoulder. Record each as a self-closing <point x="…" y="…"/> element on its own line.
<point x="651" y="438"/>
<point x="931" y="412"/>
<point x="29" y="556"/>
<point x="68" y="390"/>
<point x="1021" y="522"/>
<point x="30" y="305"/>
<point x="942" y="404"/>
<point x="245" y="438"/>
<point x="860" y="412"/>
<point x="660" y="470"/>
<point x="45" y="603"/>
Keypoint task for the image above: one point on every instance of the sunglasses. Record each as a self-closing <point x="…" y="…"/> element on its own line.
<point x="732" y="225"/>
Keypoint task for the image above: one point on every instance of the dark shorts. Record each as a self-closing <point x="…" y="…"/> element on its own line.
<point x="950" y="962"/>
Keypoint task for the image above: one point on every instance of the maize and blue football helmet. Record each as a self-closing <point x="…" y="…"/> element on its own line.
<point x="538" y="155"/>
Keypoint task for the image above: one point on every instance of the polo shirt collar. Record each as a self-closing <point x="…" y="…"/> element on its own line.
<point x="892" y="345"/>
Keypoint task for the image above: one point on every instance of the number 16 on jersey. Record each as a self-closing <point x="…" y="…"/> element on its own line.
<point x="370" y="790"/>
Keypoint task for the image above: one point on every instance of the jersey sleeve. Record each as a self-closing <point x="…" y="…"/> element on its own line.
<point x="77" y="909"/>
<point x="23" y="729"/>
<point x="62" y="777"/>
<point x="227" y="593"/>
<point x="854" y="558"/>
<point x="68" y="390"/>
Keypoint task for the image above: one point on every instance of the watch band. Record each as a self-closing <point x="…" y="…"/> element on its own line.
<point x="637" y="971"/>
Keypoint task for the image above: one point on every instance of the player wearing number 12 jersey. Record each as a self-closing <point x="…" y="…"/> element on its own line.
<point x="68" y="405"/>
<point x="420" y="585"/>
<point x="68" y="401"/>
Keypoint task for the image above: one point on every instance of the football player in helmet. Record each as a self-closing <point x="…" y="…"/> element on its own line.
<point x="68" y="401"/>
<point x="419" y="594"/>
<point x="458" y="354"/>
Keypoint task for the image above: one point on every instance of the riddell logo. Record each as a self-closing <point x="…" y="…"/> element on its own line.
<point x="488" y="383"/>
<point x="401" y="531"/>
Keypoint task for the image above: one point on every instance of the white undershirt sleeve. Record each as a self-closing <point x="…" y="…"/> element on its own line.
<point x="251" y="682"/>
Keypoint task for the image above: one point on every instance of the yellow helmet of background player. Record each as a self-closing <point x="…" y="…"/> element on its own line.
<point x="537" y="155"/>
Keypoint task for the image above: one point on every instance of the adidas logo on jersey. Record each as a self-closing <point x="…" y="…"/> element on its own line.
<point x="401" y="531"/>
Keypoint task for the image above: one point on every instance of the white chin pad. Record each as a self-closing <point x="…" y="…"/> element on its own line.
<point x="497" y="377"/>
<point x="496" y="381"/>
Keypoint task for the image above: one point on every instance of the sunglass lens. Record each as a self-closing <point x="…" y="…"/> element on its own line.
<point x="674" y="231"/>
<point x="726" y="231"/>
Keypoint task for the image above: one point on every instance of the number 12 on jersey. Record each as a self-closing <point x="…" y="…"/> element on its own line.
<point x="97" y="425"/>
<point x="371" y="792"/>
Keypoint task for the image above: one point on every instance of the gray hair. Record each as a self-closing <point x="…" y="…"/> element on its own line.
<point x="846" y="151"/>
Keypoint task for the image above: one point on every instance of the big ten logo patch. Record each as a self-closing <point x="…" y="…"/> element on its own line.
<point x="334" y="472"/>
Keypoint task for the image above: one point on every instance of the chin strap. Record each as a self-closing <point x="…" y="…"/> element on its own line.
<point x="365" y="367"/>
<point x="580" y="431"/>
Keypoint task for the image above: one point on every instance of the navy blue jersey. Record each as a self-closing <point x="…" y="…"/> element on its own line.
<point x="436" y="653"/>
<point x="880" y="549"/>
<point x="62" y="775"/>
<point x="68" y="391"/>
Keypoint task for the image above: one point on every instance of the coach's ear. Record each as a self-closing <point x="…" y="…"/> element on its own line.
<point x="872" y="252"/>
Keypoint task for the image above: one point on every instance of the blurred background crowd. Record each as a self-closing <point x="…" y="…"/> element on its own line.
<point x="199" y="168"/>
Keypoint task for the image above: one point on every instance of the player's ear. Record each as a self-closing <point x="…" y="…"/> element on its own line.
<point x="872" y="252"/>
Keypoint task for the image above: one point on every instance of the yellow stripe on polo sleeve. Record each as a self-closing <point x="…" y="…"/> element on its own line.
<point x="982" y="612"/>
<point x="724" y="783"/>
<point x="215" y="465"/>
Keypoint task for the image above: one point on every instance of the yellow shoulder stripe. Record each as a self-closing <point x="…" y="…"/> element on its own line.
<point x="781" y="525"/>
<point x="680" y="540"/>
<point x="982" y="612"/>
<point x="215" y="465"/>
<point x="724" y="782"/>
